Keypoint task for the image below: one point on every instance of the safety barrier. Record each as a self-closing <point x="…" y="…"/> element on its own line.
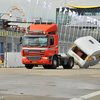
<point x="13" y="60"/>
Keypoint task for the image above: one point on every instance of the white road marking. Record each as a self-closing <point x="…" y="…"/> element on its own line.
<point x="87" y="96"/>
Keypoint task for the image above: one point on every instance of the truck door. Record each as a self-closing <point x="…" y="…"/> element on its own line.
<point x="51" y="46"/>
<point x="51" y="41"/>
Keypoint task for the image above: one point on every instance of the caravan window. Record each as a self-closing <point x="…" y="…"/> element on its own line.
<point x="79" y="52"/>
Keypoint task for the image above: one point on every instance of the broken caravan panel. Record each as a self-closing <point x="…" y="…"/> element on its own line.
<point x="86" y="51"/>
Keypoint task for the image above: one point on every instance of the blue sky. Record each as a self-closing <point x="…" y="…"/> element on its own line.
<point x="6" y="4"/>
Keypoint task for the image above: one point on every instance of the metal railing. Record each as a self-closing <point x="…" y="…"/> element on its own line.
<point x="11" y="33"/>
<point x="67" y="35"/>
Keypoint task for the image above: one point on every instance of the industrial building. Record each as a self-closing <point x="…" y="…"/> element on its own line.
<point x="9" y="42"/>
<point x="92" y="11"/>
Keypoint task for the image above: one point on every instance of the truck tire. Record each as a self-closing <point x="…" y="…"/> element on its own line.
<point x="28" y="66"/>
<point x="70" y="63"/>
<point x="54" y="63"/>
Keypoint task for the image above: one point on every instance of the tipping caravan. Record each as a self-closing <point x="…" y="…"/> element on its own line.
<point x="86" y="51"/>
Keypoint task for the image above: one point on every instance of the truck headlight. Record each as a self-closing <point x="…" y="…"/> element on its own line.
<point x="45" y="58"/>
<point x="24" y="57"/>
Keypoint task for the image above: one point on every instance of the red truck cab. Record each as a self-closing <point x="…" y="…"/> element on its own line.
<point x="40" y="46"/>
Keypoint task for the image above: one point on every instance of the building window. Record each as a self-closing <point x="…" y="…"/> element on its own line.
<point x="9" y="47"/>
<point x="87" y="13"/>
<point x="63" y="18"/>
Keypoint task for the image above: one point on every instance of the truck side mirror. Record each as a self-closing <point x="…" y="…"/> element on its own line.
<point x="20" y="40"/>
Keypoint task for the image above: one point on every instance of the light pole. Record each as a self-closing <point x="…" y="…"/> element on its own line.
<point x="13" y="42"/>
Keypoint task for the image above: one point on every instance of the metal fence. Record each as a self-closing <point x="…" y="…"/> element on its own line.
<point x="10" y="39"/>
<point x="67" y="35"/>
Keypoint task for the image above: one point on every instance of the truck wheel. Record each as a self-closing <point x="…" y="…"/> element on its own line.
<point x="70" y="63"/>
<point x="54" y="63"/>
<point x="28" y="66"/>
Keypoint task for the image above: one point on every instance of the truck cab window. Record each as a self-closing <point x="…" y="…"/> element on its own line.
<point x="51" y="40"/>
<point x="35" y="41"/>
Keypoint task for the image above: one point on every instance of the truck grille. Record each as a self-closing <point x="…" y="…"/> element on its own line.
<point x="33" y="52"/>
<point x="34" y="58"/>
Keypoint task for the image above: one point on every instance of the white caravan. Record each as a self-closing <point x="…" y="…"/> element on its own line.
<point x="86" y="51"/>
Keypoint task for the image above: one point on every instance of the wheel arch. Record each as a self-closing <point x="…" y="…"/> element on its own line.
<point x="55" y="55"/>
<point x="51" y="58"/>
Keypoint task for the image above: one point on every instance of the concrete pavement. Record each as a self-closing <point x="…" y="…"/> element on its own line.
<point x="48" y="84"/>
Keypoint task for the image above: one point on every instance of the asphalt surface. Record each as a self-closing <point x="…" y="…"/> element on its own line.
<point x="48" y="84"/>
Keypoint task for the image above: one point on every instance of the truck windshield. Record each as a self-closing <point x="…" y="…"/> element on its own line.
<point x="35" y="41"/>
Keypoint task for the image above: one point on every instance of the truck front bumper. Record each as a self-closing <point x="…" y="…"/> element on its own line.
<point x="42" y="61"/>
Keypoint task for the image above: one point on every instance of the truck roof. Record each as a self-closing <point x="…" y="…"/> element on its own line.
<point x="88" y="45"/>
<point x="44" y="27"/>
